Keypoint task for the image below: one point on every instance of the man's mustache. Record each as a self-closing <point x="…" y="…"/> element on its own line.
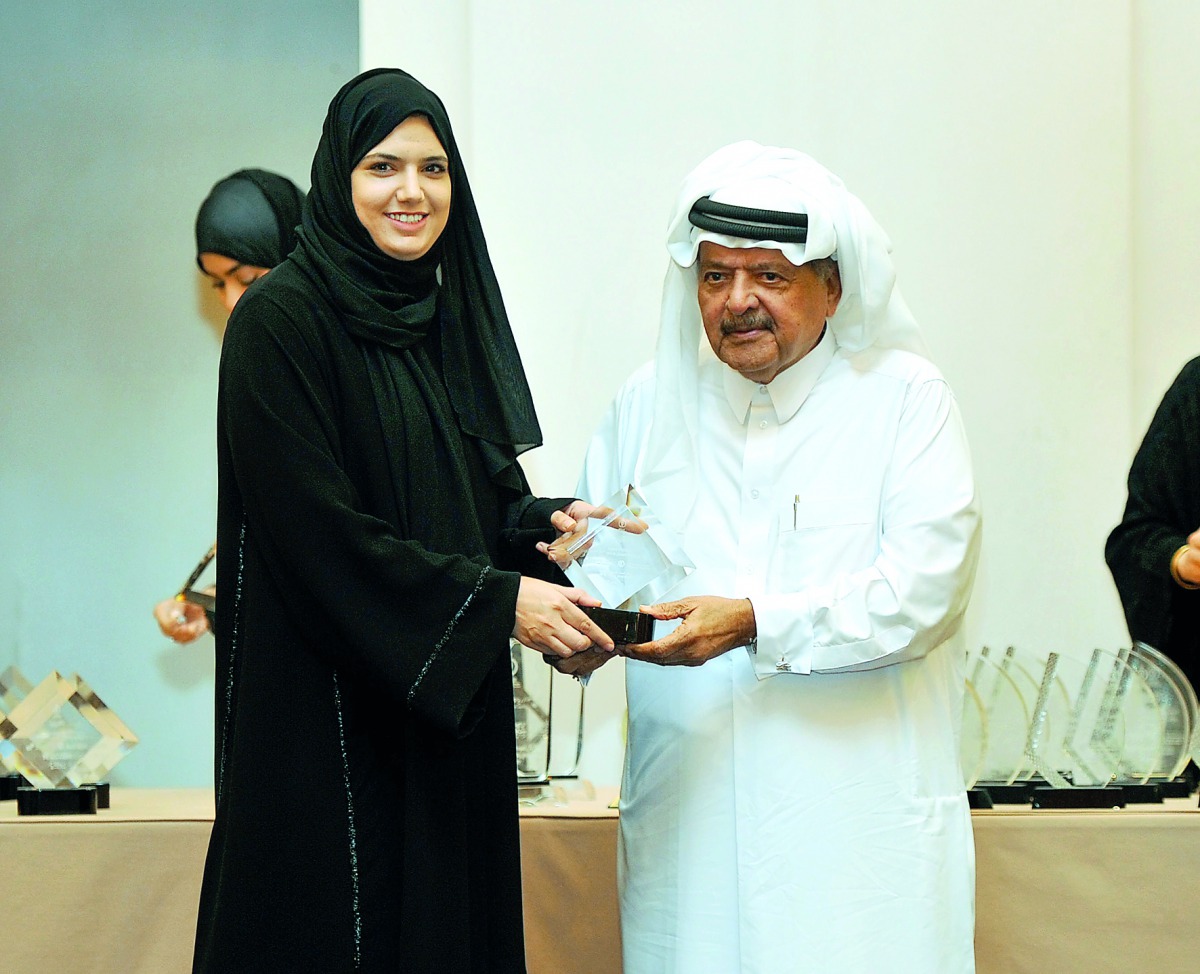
<point x="750" y="321"/>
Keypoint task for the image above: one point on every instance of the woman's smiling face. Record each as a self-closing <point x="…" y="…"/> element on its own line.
<point x="401" y="190"/>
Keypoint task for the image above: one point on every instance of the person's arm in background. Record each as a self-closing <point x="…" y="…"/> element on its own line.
<point x="1161" y="517"/>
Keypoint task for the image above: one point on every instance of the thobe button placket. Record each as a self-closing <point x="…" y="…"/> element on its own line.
<point x="757" y="473"/>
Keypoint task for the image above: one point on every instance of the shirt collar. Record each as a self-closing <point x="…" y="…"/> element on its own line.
<point x="788" y="390"/>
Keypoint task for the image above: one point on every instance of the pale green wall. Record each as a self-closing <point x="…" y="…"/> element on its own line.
<point x="115" y="119"/>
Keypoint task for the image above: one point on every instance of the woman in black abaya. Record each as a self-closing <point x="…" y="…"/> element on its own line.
<point x="376" y="552"/>
<point x="246" y="225"/>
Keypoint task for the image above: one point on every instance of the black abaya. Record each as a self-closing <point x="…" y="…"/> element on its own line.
<point x="1162" y="510"/>
<point x="372" y="521"/>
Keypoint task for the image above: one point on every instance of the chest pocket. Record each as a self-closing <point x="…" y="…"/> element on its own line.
<point x="823" y="536"/>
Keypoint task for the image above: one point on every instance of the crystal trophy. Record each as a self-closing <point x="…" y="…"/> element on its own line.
<point x="13" y="689"/>
<point x="1043" y="743"/>
<point x="1093" y="739"/>
<point x="626" y="557"/>
<point x="973" y="749"/>
<point x="531" y="697"/>
<point x="549" y="725"/>
<point x="65" y="740"/>
<point x="1006" y="703"/>
<point x="1143" y="726"/>
<point x="1178" y="706"/>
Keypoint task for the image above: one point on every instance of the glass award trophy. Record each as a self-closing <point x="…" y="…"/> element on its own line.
<point x="549" y="724"/>
<point x="13" y="689"/>
<point x="531" y="695"/>
<point x="973" y="749"/>
<point x="64" y="740"/>
<point x="1006" y="705"/>
<point x="1179" y="709"/>
<point x="626" y="557"/>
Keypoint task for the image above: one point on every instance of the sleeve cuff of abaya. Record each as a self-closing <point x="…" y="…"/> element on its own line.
<point x="517" y="549"/>
<point x="449" y="692"/>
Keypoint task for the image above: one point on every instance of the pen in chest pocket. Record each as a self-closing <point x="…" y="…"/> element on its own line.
<point x="795" y="507"/>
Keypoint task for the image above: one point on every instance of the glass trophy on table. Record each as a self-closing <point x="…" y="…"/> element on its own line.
<point x="13" y="689"/>
<point x="996" y="719"/>
<point x="1177" y="704"/>
<point x="1062" y="729"/>
<point x="549" y="725"/>
<point x="64" y="740"/>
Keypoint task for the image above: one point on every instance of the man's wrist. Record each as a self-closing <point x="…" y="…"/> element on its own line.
<point x="752" y="628"/>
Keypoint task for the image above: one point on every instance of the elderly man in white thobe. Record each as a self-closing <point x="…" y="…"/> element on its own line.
<point x="792" y="797"/>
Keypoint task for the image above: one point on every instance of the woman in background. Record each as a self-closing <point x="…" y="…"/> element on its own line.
<point x="376" y="545"/>
<point x="246" y="225"/>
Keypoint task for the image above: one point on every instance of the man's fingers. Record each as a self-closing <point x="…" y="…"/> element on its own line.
<point x="666" y="610"/>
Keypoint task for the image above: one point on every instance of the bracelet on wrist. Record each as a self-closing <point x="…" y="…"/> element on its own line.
<point x="1179" y="579"/>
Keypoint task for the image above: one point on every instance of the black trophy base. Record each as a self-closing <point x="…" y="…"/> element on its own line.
<point x="9" y="783"/>
<point x="1149" y="793"/>
<point x="57" y="801"/>
<point x="1108" y="796"/>
<point x="1018" y="793"/>
<point x="978" y="798"/>
<point x="624" y="626"/>
<point x="1179" y="787"/>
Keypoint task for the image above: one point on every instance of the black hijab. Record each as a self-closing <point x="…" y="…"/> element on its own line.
<point x="250" y="216"/>
<point x="395" y="303"/>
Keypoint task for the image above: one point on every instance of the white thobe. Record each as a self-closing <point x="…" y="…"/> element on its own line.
<point x="801" y="807"/>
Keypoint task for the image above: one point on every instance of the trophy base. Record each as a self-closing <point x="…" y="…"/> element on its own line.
<point x="9" y="783"/>
<point x="1149" y="793"/>
<point x="559" y="790"/>
<point x="978" y="798"/>
<point x="1108" y="796"/>
<point x="1175" y="787"/>
<point x="57" y="801"/>
<point x="534" y="792"/>
<point x="622" y="625"/>
<point x="1002" y="794"/>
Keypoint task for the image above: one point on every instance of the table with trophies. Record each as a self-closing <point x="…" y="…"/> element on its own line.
<point x="1058" y="889"/>
<point x="1087" y="831"/>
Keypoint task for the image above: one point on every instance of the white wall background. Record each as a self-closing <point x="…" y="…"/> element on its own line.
<point x="1035" y="165"/>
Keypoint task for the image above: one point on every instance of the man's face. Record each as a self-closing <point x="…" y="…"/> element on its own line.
<point x="761" y="312"/>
